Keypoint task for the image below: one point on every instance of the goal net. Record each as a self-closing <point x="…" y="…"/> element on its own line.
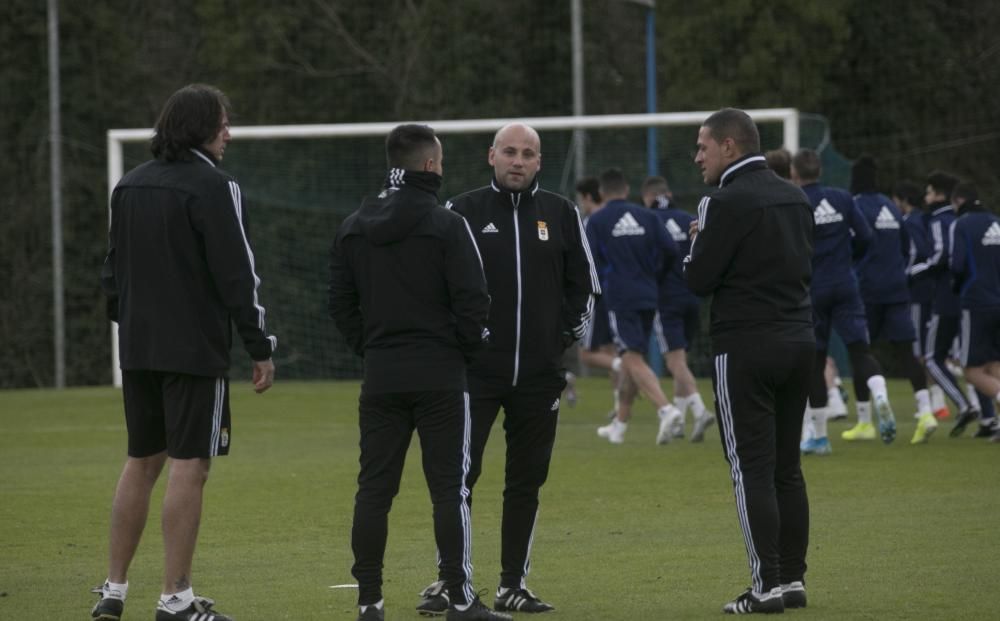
<point x="301" y="181"/>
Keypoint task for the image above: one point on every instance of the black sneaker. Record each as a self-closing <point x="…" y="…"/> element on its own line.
<point x="747" y="603"/>
<point x="962" y="421"/>
<point x="987" y="428"/>
<point x="477" y="611"/>
<point x="199" y="610"/>
<point x="793" y="595"/>
<point x="371" y="613"/>
<point x="519" y="600"/>
<point x="434" y="600"/>
<point x="108" y="608"/>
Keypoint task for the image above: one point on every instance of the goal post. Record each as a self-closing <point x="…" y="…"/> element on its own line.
<point x="307" y="180"/>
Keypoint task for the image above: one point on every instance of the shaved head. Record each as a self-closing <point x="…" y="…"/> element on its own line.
<point x="516" y="156"/>
<point x="515" y="131"/>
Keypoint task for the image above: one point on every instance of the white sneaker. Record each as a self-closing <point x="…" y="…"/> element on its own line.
<point x="701" y="423"/>
<point x="670" y="419"/>
<point x="613" y="432"/>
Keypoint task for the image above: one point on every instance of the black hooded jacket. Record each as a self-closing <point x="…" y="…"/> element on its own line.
<point x="407" y="288"/>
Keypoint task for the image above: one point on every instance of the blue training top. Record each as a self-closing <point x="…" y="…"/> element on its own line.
<point x="882" y="271"/>
<point x="975" y="259"/>
<point x="840" y="232"/>
<point x="676" y="222"/>
<point x="632" y="251"/>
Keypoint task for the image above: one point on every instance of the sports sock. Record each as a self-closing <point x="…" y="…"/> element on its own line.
<point x="923" y="398"/>
<point x="970" y="392"/>
<point x="380" y="603"/>
<point x="616" y="364"/>
<point x="937" y="397"/>
<point x="115" y="590"/>
<point x="681" y="403"/>
<point x="864" y="411"/>
<point x="876" y="384"/>
<point x="834" y="400"/>
<point x="819" y="422"/>
<point x="696" y="404"/>
<point x="664" y="411"/>
<point x="176" y="602"/>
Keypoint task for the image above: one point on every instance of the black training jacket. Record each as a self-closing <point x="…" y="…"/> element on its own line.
<point x="180" y="269"/>
<point x="407" y="289"/>
<point x="541" y="277"/>
<point x="753" y="254"/>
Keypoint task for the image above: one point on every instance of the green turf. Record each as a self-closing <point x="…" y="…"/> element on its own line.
<point x="625" y="532"/>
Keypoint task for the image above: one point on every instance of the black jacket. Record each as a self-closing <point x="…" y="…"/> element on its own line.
<point x="541" y="278"/>
<point x="407" y="289"/>
<point x="180" y="268"/>
<point x="753" y="254"/>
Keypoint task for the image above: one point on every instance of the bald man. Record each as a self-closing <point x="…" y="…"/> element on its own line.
<point x="542" y="283"/>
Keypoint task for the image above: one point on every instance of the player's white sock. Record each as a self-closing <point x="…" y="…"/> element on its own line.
<point x="681" y="403"/>
<point x="619" y="425"/>
<point x="819" y="421"/>
<point x="837" y="382"/>
<point x="834" y="401"/>
<point x="864" y="411"/>
<point x="176" y="602"/>
<point x="696" y="404"/>
<point x="380" y="603"/>
<point x="616" y="364"/>
<point x="876" y="384"/>
<point x="807" y="424"/>
<point x="970" y="393"/>
<point x="115" y="590"/>
<point x="937" y="397"/>
<point x="923" y="398"/>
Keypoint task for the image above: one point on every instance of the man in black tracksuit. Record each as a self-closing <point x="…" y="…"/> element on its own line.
<point x="407" y="291"/>
<point x="542" y="284"/>
<point x="179" y="274"/>
<point x="753" y="253"/>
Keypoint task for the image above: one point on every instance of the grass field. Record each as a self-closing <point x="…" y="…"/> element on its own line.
<point x="625" y="532"/>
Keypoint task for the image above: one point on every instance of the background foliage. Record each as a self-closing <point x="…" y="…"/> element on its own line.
<point x="914" y="83"/>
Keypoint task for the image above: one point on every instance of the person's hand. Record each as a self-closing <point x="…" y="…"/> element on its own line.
<point x="693" y="228"/>
<point x="263" y="375"/>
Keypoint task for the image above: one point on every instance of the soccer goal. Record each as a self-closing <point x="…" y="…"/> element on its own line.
<point x="300" y="181"/>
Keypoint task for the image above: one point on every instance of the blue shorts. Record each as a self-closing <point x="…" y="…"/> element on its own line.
<point x="891" y="322"/>
<point x="599" y="332"/>
<point x="920" y="314"/>
<point x="631" y="329"/>
<point x="677" y="325"/>
<point x="840" y="308"/>
<point x="980" y="337"/>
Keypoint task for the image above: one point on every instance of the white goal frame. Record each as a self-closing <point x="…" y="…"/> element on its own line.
<point x="789" y="117"/>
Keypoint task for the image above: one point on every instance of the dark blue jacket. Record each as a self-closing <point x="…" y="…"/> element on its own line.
<point x="632" y="252"/>
<point x="841" y="233"/>
<point x="945" y="300"/>
<point x="975" y="258"/>
<point x="882" y="271"/>
<point x="921" y="281"/>
<point x="674" y="290"/>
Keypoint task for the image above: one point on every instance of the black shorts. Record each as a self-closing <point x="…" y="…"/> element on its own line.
<point x="185" y="415"/>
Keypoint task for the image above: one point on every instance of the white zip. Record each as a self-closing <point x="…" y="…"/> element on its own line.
<point x="517" y="254"/>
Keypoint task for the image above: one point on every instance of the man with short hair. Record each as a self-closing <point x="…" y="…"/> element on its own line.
<point x="751" y="252"/>
<point x="883" y="285"/>
<point x="841" y="234"/>
<point x="542" y="285"/>
<point x="179" y="272"/>
<point x="975" y="263"/>
<point x="633" y="252"/>
<point x="678" y="313"/>
<point x="909" y="198"/>
<point x="943" y="325"/>
<point x="408" y="293"/>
